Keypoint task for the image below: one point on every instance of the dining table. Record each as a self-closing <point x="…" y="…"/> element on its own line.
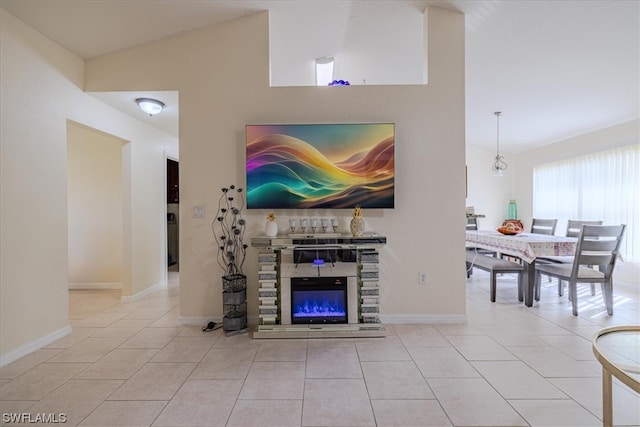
<point x="524" y="246"/>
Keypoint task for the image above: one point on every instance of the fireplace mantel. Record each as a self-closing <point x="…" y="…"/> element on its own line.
<point x="356" y="258"/>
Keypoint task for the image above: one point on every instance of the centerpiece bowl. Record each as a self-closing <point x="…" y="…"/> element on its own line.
<point x="509" y="232"/>
<point x="511" y="227"/>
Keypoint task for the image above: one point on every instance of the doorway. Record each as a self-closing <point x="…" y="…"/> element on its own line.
<point x="173" y="214"/>
<point x="95" y="220"/>
<point x="95" y="208"/>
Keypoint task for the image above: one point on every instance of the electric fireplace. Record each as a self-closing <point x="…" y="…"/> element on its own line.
<point x="319" y="300"/>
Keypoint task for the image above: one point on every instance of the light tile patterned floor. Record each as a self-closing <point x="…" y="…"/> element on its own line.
<point x="133" y="364"/>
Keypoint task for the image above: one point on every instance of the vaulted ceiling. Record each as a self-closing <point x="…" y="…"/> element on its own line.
<point x="555" y="69"/>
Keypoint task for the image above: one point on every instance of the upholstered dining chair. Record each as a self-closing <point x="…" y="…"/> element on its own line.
<point x="472" y="224"/>
<point x="539" y="226"/>
<point x="574" y="227"/>
<point x="544" y="226"/>
<point x="598" y="246"/>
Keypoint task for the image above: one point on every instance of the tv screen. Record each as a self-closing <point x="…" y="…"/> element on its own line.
<point x="329" y="166"/>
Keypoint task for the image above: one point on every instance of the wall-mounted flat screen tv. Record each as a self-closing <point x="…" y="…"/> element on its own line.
<point x="327" y="166"/>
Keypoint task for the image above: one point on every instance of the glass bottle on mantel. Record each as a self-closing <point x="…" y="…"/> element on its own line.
<point x="512" y="212"/>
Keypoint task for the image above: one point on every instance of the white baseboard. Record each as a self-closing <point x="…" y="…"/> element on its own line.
<point x="423" y="318"/>
<point x="385" y="318"/>
<point x="32" y="346"/>
<point x="96" y="285"/>
<point x="628" y="288"/>
<point x="144" y="293"/>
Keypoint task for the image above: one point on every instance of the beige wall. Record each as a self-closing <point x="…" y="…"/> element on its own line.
<point x="94" y="182"/>
<point x="222" y="74"/>
<point x="41" y="87"/>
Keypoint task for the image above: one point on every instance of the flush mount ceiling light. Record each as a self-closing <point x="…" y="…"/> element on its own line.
<point x="150" y="106"/>
<point x="499" y="164"/>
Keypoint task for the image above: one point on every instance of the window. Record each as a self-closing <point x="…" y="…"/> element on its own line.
<point x="324" y="71"/>
<point x="600" y="186"/>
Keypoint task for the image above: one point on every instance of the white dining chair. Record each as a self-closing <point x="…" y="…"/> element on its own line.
<point x="598" y="246"/>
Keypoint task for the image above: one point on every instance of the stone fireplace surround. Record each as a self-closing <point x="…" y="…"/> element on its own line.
<point x="277" y="267"/>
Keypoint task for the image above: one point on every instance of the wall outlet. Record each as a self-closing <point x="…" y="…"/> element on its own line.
<point x="422" y="278"/>
<point x="200" y="211"/>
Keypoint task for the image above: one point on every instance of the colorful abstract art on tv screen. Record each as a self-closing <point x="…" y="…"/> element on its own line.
<point x="326" y="166"/>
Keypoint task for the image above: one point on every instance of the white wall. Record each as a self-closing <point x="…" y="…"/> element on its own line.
<point x="223" y="89"/>
<point x="94" y="172"/>
<point x="146" y="206"/>
<point x="365" y="49"/>
<point x="490" y="194"/>
<point x="616" y="136"/>
<point x="487" y="193"/>
<point x="41" y="86"/>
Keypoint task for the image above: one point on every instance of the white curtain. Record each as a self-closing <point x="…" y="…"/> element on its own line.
<point x="600" y="186"/>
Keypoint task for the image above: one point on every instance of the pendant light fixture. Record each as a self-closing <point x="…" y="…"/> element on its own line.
<point x="150" y="106"/>
<point x="499" y="165"/>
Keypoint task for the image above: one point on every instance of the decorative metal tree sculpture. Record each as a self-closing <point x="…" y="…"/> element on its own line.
<point x="228" y="229"/>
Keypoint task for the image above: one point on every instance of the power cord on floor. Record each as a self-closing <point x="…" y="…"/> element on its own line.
<point x="211" y="326"/>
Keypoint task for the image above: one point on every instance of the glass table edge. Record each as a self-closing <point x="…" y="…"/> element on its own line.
<point x="607" y="364"/>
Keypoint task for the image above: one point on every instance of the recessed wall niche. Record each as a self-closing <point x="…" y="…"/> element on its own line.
<point x="372" y="43"/>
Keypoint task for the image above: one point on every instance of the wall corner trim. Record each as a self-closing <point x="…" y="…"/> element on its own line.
<point x="143" y="293"/>
<point x="95" y="285"/>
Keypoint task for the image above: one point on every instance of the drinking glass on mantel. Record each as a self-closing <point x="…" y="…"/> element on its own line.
<point x="334" y="224"/>
<point x="292" y="225"/>
<point x="303" y="224"/>
<point x="325" y="224"/>
<point x="314" y="224"/>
